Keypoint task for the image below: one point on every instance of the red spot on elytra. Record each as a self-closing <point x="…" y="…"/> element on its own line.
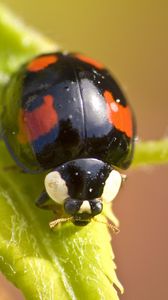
<point x="41" y="63"/>
<point x="33" y="124"/>
<point x="118" y="115"/>
<point x="89" y="61"/>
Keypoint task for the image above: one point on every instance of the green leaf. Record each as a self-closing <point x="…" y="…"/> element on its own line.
<point x="70" y="263"/>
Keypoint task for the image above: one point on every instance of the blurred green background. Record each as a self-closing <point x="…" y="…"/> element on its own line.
<point x="131" y="38"/>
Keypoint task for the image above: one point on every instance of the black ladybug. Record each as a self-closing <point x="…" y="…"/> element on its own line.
<point x="65" y="114"/>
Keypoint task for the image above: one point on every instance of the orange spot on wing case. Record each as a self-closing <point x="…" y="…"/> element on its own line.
<point x="89" y="61"/>
<point x="41" y="63"/>
<point x="118" y="115"/>
<point x="33" y="124"/>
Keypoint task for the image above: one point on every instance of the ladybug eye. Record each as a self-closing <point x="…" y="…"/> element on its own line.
<point x="56" y="187"/>
<point x="72" y="206"/>
<point x="96" y="207"/>
<point x="112" y="186"/>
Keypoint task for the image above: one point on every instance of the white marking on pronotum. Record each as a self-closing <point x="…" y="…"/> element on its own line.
<point x="85" y="207"/>
<point x="56" y="187"/>
<point x="112" y="186"/>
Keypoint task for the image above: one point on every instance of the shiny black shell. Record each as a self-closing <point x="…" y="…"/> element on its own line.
<point x="58" y="112"/>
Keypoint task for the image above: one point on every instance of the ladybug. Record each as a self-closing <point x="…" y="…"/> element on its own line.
<point x="64" y="114"/>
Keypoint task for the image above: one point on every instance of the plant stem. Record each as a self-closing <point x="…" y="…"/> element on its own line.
<point x="151" y="152"/>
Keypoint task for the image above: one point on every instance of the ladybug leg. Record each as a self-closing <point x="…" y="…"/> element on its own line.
<point x="42" y="200"/>
<point x="45" y="202"/>
<point x="124" y="177"/>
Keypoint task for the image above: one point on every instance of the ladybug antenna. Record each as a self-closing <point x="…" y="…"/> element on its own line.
<point x="114" y="228"/>
<point x="54" y="223"/>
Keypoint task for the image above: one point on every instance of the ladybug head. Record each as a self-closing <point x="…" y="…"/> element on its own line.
<point x="81" y="186"/>
<point x="82" y="210"/>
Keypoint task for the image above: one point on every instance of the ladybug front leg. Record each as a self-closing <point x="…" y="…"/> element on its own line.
<point x="45" y="202"/>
